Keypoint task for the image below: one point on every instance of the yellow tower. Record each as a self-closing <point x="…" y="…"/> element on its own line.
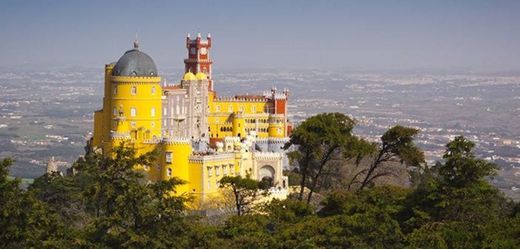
<point x="177" y="152"/>
<point x="136" y="92"/>
<point x="239" y="125"/>
<point x="131" y="106"/>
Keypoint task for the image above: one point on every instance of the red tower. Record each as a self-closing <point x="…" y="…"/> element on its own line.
<point x="198" y="56"/>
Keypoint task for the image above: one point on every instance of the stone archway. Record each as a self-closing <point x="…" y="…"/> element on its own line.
<point x="266" y="174"/>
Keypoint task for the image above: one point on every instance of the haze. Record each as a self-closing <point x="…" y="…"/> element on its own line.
<point x="364" y="35"/>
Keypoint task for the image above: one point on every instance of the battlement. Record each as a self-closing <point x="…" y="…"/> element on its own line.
<point x="120" y="135"/>
<point x="231" y="139"/>
<point x="262" y="140"/>
<point x="242" y="98"/>
<point x="208" y="157"/>
<point x="280" y="96"/>
<point x="152" y="141"/>
<point x="198" y="40"/>
<point x="135" y="79"/>
<point x="172" y="87"/>
<point x="272" y="140"/>
<point x="176" y="140"/>
<point x="275" y="140"/>
<point x="268" y="155"/>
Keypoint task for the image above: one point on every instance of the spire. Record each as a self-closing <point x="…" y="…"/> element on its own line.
<point x="136" y="42"/>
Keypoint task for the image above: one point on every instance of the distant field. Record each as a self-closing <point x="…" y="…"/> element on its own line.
<point x="484" y="108"/>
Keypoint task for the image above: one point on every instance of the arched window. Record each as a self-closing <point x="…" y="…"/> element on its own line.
<point x="133" y="91"/>
<point x="115" y="111"/>
<point x="115" y="90"/>
<point x="153" y="90"/>
<point x="266" y="174"/>
<point x="133" y="112"/>
<point x="152" y="112"/>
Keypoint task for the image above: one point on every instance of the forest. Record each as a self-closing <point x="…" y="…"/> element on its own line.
<point x="348" y="193"/>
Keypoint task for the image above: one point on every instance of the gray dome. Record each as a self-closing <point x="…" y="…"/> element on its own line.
<point x="135" y="63"/>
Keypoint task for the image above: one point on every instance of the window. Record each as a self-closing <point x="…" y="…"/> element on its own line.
<point x="209" y="171"/>
<point x="133" y="90"/>
<point x="115" y="111"/>
<point x="225" y="169"/>
<point x="253" y="109"/>
<point x="231" y="169"/>
<point x="241" y="109"/>
<point x="168" y="157"/>
<point x="217" y="108"/>
<point x="230" y="108"/>
<point x="152" y="112"/>
<point x="133" y="112"/>
<point x="217" y="170"/>
<point x="279" y="130"/>
<point x="209" y="184"/>
<point x="115" y="90"/>
<point x="132" y="123"/>
<point x="153" y="90"/>
<point x="169" y="172"/>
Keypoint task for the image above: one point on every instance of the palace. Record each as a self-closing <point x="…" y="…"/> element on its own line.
<point x="200" y="136"/>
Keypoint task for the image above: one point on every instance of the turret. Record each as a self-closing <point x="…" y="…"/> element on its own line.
<point x="136" y="92"/>
<point x="239" y="125"/>
<point x="175" y="157"/>
<point x="198" y="57"/>
<point x="52" y="167"/>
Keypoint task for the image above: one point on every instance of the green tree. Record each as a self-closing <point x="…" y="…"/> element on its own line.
<point x="396" y="145"/>
<point x="287" y="211"/>
<point x="63" y="196"/>
<point x="461" y="167"/>
<point x="455" y="207"/>
<point x="109" y="204"/>
<point x="319" y="140"/>
<point x="128" y="212"/>
<point x="245" y="191"/>
<point x="25" y="221"/>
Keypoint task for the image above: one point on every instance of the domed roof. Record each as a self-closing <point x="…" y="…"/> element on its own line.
<point x="135" y="63"/>
<point x="201" y="76"/>
<point x="189" y="76"/>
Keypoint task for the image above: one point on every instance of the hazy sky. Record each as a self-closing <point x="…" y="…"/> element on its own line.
<point x="366" y="35"/>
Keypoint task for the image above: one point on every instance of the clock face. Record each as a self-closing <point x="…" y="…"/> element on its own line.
<point x="203" y="51"/>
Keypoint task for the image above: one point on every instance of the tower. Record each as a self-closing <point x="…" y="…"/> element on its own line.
<point x="52" y="166"/>
<point x="198" y="57"/>
<point x="136" y="94"/>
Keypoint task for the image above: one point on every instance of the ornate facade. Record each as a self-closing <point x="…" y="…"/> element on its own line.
<point x="200" y="136"/>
